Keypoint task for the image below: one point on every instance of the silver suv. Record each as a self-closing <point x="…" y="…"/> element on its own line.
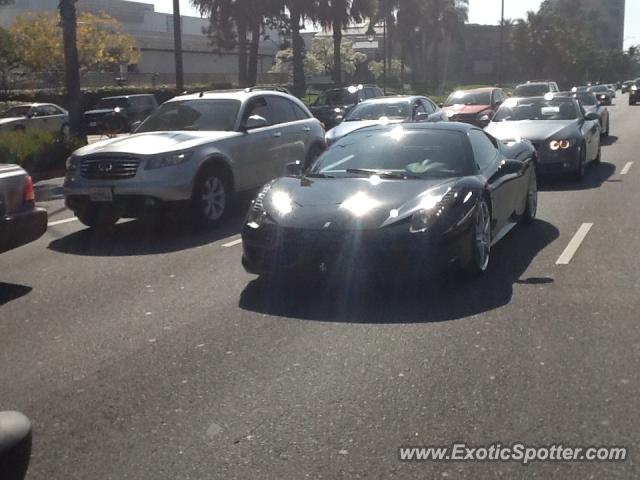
<point x="197" y="150"/>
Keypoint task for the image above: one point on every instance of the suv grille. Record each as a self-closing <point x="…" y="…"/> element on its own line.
<point x="109" y="168"/>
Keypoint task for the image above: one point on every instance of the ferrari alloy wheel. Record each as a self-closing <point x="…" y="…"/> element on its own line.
<point x="481" y="242"/>
<point x="531" y="208"/>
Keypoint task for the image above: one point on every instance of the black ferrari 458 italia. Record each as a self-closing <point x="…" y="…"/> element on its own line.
<point x="409" y="197"/>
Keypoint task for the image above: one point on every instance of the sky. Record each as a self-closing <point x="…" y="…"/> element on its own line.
<point x="480" y="11"/>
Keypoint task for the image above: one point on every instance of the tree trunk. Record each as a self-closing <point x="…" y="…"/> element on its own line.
<point x="177" y="45"/>
<point x="337" y="53"/>
<point x="435" y="74"/>
<point x="297" y="43"/>
<point x="253" y="54"/>
<point x="242" y="53"/>
<point x="68" y="20"/>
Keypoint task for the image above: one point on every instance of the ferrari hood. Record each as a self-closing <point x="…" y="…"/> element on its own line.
<point x="533" y="130"/>
<point x="347" y="203"/>
<point x="155" y="142"/>
<point x="346" y="128"/>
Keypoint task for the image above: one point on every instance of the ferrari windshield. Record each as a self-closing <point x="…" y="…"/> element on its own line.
<point x="470" y="98"/>
<point x="418" y="153"/>
<point x="21" y="111"/>
<point x="378" y="110"/>
<point x="208" y="115"/>
<point x="560" y="108"/>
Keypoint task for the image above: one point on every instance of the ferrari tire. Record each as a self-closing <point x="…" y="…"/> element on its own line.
<point x="531" y="207"/>
<point x="478" y="260"/>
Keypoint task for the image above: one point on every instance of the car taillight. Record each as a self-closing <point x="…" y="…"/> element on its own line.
<point x="29" y="192"/>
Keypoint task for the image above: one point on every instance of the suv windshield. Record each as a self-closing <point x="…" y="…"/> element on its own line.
<point x="378" y="110"/>
<point x="396" y="150"/>
<point x="531" y="90"/>
<point x="208" y="115"/>
<point x="560" y="108"/>
<point x="113" y="103"/>
<point x="462" y="98"/>
<point x="16" y="112"/>
<point x="336" y="97"/>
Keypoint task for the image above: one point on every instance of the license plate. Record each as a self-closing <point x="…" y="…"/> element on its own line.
<point x="102" y="195"/>
<point x="93" y="124"/>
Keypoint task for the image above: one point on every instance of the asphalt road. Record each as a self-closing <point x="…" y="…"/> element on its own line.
<point x="146" y="355"/>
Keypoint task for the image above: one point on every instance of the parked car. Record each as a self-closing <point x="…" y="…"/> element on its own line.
<point x="195" y="150"/>
<point x="565" y="138"/>
<point x="535" y="89"/>
<point x="21" y="221"/>
<point x="603" y="94"/>
<point x="332" y="106"/>
<point x="612" y="89"/>
<point x="387" y="110"/>
<point x="44" y="116"/>
<point x="476" y="107"/>
<point x="626" y="86"/>
<point x="634" y="92"/>
<point x="398" y="199"/>
<point x="590" y="104"/>
<point x="114" y="115"/>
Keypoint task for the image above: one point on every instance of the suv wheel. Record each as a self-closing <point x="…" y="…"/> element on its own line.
<point x="211" y="198"/>
<point x="98" y="217"/>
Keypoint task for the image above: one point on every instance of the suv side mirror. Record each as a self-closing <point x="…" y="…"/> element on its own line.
<point x="255" y="121"/>
<point x="422" y="117"/>
<point x="592" y="117"/>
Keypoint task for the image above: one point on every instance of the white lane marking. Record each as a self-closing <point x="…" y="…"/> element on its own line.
<point x="60" y="222"/>
<point x="574" y="244"/>
<point x="626" y="168"/>
<point x="232" y="244"/>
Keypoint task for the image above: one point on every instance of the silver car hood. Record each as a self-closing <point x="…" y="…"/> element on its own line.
<point x="154" y="143"/>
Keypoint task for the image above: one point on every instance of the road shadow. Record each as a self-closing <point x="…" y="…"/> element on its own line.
<point x="12" y="291"/>
<point x="133" y="238"/>
<point x="595" y="176"/>
<point x="610" y="140"/>
<point x="437" y="299"/>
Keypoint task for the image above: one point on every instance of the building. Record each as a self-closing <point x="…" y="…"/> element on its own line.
<point x="153" y="32"/>
<point x="608" y="15"/>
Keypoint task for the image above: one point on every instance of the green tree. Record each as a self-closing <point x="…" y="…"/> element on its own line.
<point x="9" y="61"/>
<point x="322" y="50"/>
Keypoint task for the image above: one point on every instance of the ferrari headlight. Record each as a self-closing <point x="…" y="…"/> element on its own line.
<point x="282" y="203"/>
<point x="556" y="145"/>
<point x="169" y="160"/>
<point x="421" y="220"/>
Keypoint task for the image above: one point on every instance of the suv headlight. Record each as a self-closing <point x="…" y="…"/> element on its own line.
<point x="169" y="160"/>
<point x="71" y="163"/>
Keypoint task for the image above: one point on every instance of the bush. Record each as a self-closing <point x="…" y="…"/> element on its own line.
<point x="39" y="152"/>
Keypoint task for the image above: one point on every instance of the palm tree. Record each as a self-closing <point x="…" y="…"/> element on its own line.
<point x="68" y="21"/>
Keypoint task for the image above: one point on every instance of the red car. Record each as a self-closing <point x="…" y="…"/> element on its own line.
<point x="476" y="107"/>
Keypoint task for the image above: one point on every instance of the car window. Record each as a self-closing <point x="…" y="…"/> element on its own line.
<point x="377" y="110"/>
<point x="484" y="151"/>
<point x="258" y="106"/>
<point x="429" y="106"/>
<point x="526" y="109"/>
<point x="300" y="113"/>
<point x="468" y="98"/>
<point x="282" y="110"/>
<point x="20" y="111"/>
<point x="419" y="107"/>
<point x="40" y="111"/>
<point x="532" y="90"/>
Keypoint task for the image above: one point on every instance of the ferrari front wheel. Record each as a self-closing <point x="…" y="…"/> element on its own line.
<point x="478" y="261"/>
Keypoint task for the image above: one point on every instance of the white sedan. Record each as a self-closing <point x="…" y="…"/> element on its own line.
<point x="44" y="116"/>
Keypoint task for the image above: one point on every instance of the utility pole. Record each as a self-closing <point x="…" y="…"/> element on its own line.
<point x="177" y="45"/>
<point x="68" y="19"/>
<point x="501" y="66"/>
<point x="384" y="41"/>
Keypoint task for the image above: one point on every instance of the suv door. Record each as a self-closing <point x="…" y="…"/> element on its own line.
<point x="255" y="152"/>
<point x="292" y="145"/>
